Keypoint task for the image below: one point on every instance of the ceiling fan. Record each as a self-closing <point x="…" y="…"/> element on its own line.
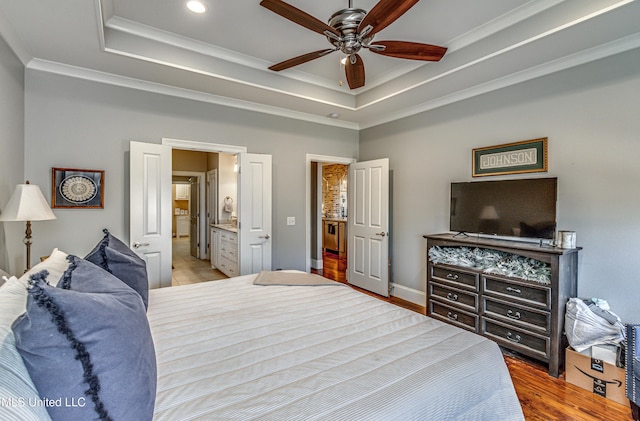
<point x="351" y="29"/>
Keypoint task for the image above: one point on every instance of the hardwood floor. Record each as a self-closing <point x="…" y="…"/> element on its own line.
<point x="542" y="397"/>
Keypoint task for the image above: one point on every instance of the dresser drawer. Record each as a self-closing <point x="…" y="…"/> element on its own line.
<point x="453" y="315"/>
<point x="527" y="318"/>
<point x="516" y="339"/>
<point x="539" y="296"/>
<point x="467" y="280"/>
<point x="465" y="300"/>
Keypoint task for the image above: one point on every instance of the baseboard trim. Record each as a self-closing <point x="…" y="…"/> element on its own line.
<point x="411" y="295"/>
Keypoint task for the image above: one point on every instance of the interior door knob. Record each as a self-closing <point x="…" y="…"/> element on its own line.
<point x="137" y="245"/>
<point x="266" y="236"/>
<point x="381" y="234"/>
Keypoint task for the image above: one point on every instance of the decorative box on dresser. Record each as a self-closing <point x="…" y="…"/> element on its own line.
<point x="522" y="315"/>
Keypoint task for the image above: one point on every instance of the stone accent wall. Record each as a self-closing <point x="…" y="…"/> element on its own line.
<point x="332" y="199"/>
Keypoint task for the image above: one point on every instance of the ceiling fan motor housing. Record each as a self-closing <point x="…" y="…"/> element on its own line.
<point x="346" y="21"/>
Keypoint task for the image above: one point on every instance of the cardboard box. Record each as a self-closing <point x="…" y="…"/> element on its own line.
<point x="597" y="376"/>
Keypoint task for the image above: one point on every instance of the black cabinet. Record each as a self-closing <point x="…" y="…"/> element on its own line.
<point x="519" y="314"/>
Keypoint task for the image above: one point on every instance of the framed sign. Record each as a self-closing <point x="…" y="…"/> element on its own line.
<point x="74" y="188"/>
<point x="511" y="158"/>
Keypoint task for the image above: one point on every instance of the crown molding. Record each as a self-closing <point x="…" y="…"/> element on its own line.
<point x="143" y="85"/>
<point x="596" y="53"/>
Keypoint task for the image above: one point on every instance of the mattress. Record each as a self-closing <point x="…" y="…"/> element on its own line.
<point x="232" y="350"/>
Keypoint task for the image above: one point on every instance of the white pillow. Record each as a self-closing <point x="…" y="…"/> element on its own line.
<point x="56" y="264"/>
<point x="21" y="396"/>
<point x="16" y="388"/>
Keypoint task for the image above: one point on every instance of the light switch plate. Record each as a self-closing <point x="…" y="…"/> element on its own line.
<point x="291" y="220"/>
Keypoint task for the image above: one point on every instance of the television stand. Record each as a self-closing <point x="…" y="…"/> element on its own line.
<point x="523" y="315"/>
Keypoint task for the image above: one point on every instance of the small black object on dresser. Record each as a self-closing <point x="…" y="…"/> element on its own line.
<point x="524" y="315"/>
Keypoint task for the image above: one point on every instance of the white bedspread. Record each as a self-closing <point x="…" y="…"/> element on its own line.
<point x="233" y="350"/>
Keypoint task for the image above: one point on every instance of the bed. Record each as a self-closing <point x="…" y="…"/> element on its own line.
<point x="232" y="349"/>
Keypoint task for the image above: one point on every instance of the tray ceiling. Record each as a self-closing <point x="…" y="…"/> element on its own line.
<point x="222" y="56"/>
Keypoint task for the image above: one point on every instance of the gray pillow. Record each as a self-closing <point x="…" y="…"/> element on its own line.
<point x="87" y="346"/>
<point x="117" y="258"/>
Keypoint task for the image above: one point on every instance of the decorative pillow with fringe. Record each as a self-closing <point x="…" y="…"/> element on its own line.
<point x="117" y="258"/>
<point x="87" y="346"/>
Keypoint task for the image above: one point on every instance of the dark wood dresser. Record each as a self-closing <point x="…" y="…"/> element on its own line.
<point x="522" y="315"/>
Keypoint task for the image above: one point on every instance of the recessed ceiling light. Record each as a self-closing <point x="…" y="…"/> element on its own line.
<point x="196" y="6"/>
<point x="333" y="115"/>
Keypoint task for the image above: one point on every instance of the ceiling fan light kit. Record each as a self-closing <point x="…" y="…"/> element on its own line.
<point x="349" y="30"/>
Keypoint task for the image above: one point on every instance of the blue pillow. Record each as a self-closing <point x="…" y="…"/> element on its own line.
<point x="117" y="258"/>
<point x="87" y="346"/>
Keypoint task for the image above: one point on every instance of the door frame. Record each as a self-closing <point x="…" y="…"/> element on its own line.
<point x="191" y="145"/>
<point x="202" y="209"/>
<point x="320" y="159"/>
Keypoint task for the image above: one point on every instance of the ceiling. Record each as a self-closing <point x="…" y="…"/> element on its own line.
<point x="222" y="56"/>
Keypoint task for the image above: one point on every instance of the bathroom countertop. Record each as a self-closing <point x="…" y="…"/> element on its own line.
<point x="227" y="227"/>
<point x="334" y="219"/>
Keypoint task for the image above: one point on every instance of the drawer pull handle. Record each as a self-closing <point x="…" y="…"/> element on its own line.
<point x="452" y="276"/>
<point x="452" y="316"/>
<point x="452" y="297"/>
<point x="514" y="338"/>
<point x="515" y="290"/>
<point x="513" y="315"/>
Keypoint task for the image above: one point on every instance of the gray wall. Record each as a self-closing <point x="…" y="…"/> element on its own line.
<point x="590" y="115"/>
<point x="11" y="153"/>
<point x="81" y="124"/>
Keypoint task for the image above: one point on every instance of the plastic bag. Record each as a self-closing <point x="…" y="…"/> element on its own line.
<point x="585" y="328"/>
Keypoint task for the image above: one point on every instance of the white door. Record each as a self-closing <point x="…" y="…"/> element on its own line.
<point x="150" y="209"/>
<point x="254" y="212"/>
<point x="368" y="233"/>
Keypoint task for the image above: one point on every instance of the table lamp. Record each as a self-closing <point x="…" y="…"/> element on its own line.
<point x="27" y="204"/>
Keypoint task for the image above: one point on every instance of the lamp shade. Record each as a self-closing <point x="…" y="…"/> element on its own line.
<point x="489" y="212"/>
<point x="27" y="204"/>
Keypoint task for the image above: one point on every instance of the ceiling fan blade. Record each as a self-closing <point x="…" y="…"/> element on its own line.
<point x="384" y="13"/>
<point x="300" y="59"/>
<point x="410" y="50"/>
<point x="298" y="16"/>
<point x="354" y="71"/>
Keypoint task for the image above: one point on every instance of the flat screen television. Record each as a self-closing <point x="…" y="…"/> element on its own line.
<point x="512" y="208"/>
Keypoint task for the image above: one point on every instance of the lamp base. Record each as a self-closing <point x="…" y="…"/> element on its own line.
<point x="27" y="242"/>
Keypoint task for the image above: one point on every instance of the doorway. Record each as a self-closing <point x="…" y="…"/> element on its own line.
<point x="150" y="205"/>
<point x="327" y="204"/>
<point x="195" y="191"/>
